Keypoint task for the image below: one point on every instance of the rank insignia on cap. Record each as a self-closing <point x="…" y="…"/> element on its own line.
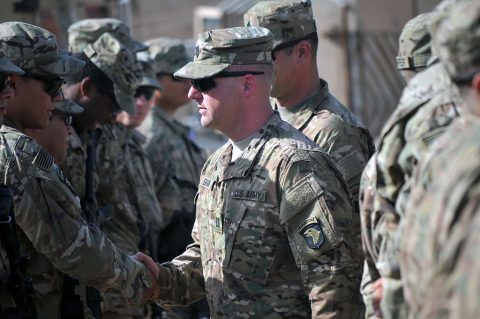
<point x="313" y="235"/>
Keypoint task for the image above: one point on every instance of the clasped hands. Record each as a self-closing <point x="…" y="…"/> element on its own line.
<point x="151" y="294"/>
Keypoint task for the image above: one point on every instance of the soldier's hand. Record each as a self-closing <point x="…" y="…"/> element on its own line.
<point x="149" y="263"/>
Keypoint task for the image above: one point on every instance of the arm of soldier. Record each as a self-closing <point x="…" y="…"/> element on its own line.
<point x="51" y="219"/>
<point x="181" y="281"/>
<point x="317" y="216"/>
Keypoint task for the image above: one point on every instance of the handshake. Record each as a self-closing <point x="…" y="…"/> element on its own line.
<point x="150" y="294"/>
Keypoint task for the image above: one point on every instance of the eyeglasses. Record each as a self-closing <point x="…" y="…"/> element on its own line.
<point x="146" y="91"/>
<point x="52" y="85"/>
<point x="67" y="118"/>
<point x="203" y="85"/>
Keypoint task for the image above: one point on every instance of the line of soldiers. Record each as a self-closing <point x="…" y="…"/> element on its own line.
<point x="96" y="217"/>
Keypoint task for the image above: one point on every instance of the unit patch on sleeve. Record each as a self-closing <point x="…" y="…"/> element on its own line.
<point x="311" y="231"/>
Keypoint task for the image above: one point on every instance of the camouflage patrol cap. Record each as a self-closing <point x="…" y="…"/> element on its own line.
<point x="414" y="44"/>
<point x="68" y="106"/>
<point x="289" y="21"/>
<point x="148" y="78"/>
<point x="456" y="39"/>
<point x="120" y="65"/>
<point x="168" y="54"/>
<point x="218" y="49"/>
<point x="8" y="67"/>
<point x="29" y="46"/>
<point x="87" y="31"/>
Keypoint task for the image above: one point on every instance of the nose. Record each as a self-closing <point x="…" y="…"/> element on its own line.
<point x="7" y="93"/>
<point x="193" y="93"/>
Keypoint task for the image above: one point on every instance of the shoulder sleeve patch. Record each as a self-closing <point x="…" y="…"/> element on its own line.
<point x="299" y="196"/>
<point x="43" y="160"/>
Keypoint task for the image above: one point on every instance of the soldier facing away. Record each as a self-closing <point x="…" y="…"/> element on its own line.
<point x="274" y="235"/>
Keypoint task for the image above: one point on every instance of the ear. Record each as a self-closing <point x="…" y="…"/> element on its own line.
<point x="87" y="88"/>
<point x="476" y="82"/>
<point x="303" y="51"/>
<point x="249" y="85"/>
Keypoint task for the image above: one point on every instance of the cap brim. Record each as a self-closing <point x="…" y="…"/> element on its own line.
<point x="8" y="67"/>
<point x="68" y="106"/>
<point x="125" y="101"/>
<point x="136" y="46"/>
<point x="64" y="65"/>
<point x="146" y="81"/>
<point x="195" y="71"/>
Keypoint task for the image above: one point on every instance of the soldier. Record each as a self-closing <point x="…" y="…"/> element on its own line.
<point x="54" y="138"/>
<point x="413" y="53"/>
<point x="170" y="146"/>
<point x="52" y="231"/>
<point x="301" y="97"/>
<point x="439" y="260"/>
<point x="274" y="234"/>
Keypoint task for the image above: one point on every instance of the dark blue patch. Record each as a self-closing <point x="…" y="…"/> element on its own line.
<point x="313" y="235"/>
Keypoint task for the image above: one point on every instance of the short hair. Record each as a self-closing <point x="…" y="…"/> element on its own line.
<point x="101" y="81"/>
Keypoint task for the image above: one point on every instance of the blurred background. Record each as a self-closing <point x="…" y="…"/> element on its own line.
<point x="357" y="47"/>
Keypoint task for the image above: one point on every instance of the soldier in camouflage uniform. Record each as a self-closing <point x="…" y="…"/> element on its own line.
<point x="52" y="231"/>
<point x="169" y="145"/>
<point x="413" y="53"/>
<point x="274" y="234"/>
<point x="439" y="246"/>
<point x="303" y="99"/>
<point x="114" y="159"/>
<point x="428" y="105"/>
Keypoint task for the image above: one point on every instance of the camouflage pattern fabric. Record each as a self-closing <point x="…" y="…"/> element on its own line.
<point x="87" y="31"/>
<point x="53" y="233"/>
<point x="428" y="105"/>
<point x="8" y="67"/>
<point x="289" y="21"/>
<point x="414" y="43"/>
<point x="167" y="54"/>
<point x="29" y="46"/>
<point x="127" y="228"/>
<point x="438" y="262"/>
<point x="169" y="142"/>
<point x="272" y="238"/>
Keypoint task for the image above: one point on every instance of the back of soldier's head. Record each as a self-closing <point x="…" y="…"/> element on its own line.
<point x="289" y="20"/>
<point x="414" y="44"/>
<point x="456" y="40"/>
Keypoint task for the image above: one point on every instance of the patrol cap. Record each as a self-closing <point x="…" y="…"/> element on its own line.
<point x="8" y="67"/>
<point x="289" y="21"/>
<point x="456" y="39"/>
<point x="414" y="44"/>
<point x="68" y="106"/>
<point x="87" y="31"/>
<point x="148" y="78"/>
<point x="120" y="65"/>
<point x="168" y="54"/>
<point x="29" y="46"/>
<point x="218" y="49"/>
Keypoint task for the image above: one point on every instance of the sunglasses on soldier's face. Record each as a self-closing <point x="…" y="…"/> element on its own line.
<point x="205" y="84"/>
<point x="67" y="118"/>
<point x="146" y="91"/>
<point x="4" y="80"/>
<point x="51" y="85"/>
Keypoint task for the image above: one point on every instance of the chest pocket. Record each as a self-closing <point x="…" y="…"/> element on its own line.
<point x="251" y="241"/>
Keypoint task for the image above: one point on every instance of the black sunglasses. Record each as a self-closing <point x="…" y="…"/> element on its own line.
<point x="146" y="91"/>
<point x="203" y="85"/>
<point x="52" y="85"/>
<point x="4" y="79"/>
<point x="67" y="118"/>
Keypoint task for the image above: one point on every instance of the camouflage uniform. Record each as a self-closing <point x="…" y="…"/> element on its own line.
<point x="321" y="117"/>
<point x="274" y="235"/>
<point x="170" y="148"/>
<point x="439" y="244"/>
<point x="127" y="227"/>
<point x="52" y="231"/>
<point x="427" y="106"/>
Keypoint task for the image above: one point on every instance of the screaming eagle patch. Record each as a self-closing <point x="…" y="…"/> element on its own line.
<point x="311" y="232"/>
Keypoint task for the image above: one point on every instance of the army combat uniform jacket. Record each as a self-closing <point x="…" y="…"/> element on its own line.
<point x="53" y="233"/>
<point x="427" y="107"/>
<point x="273" y="237"/>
